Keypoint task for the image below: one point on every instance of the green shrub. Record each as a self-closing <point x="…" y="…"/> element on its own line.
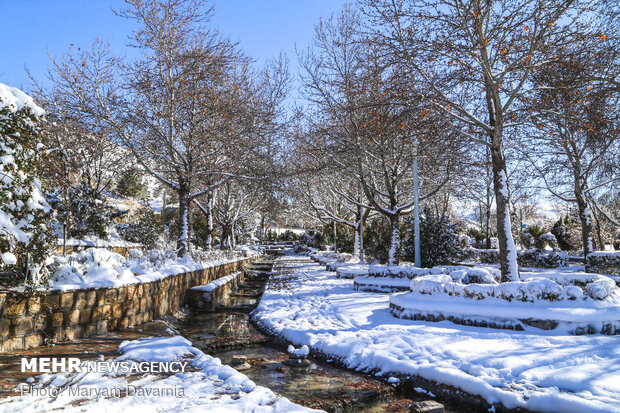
<point x="25" y="235"/>
<point x="439" y="241"/>
<point x="146" y="229"/>
<point x="131" y="184"/>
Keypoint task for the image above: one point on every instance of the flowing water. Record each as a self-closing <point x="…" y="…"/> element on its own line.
<point x="229" y="332"/>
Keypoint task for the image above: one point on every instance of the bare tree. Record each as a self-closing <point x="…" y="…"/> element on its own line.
<point x="181" y="108"/>
<point x="574" y="144"/>
<point x="364" y="119"/>
<point x="475" y="59"/>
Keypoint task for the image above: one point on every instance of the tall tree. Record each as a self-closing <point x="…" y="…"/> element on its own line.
<point x="574" y="144"/>
<point x="363" y="118"/>
<point x="185" y="108"/>
<point x="475" y="59"/>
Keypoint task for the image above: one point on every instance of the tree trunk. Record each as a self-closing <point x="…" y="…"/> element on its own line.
<point x="335" y="237"/>
<point x="356" y="242"/>
<point x="488" y="203"/>
<point x="587" y="237"/>
<point x="226" y="241"/>
<point x="209" y="213"/>
<point x="182" y="242"/>
<point x="395" y="240"/>
<point x="233" y="240"/>
<point x="507" y="248"/>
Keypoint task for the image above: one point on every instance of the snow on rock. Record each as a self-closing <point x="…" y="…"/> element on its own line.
<point x="206" y="385"/>
<point x="215" y="284"/>
<point x="302" y="352"/>
<point x="539" y="370"/>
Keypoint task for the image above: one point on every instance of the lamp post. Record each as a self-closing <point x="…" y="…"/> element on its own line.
<point x="362" y="235"/>
<point x="416" y="205"/>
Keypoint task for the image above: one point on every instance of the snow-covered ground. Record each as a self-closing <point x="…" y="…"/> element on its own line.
<point x="206" y="385"/>
<point x="539" y="370"/>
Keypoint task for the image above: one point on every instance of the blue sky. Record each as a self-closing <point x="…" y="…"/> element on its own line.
<point x="31" y="28"/>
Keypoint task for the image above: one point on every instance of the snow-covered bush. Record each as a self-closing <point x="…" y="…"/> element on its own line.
<point x="549" y="239"/>
<point x="313" y="239"/>
<point x="481" y="255"/>
<point x="603" y="262"/>
<point x="439" y="241"/>
<point x="479" y="284"/>
<point x="542" y="259"/>
<point x="25" y="215"/>
<point x="85" y="210"/>
<point x="527" y="240"/>
<point x="146" y="228"/>
<point x="534" y="258"/>
<point x="90" y="267"/>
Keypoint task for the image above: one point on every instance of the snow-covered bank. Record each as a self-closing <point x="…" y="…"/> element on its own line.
<point x="207" y="386"/>
<point x="539" y="370"/>
<point x="101" y="268"/>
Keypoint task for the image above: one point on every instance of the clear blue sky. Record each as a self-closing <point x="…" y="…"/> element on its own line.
<point x="29" y="29"/>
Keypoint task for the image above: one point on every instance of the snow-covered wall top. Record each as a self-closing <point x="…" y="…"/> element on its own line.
<point x="15" y="99"/>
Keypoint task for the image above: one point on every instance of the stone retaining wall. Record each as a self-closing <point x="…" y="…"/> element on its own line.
<point x="606" y="327"/>
<point x="124" y="251"/>
<point x="30" y="320"/>
<point x="207" y="301"/>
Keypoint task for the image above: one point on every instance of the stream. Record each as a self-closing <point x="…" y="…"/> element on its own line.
<point x="229" y="332"/>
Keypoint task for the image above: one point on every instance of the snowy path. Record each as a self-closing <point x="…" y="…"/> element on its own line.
<point x="534" y="369"/>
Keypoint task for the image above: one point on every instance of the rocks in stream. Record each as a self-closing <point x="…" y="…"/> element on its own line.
<point x="240" y="362"/>
<point x="297" y="357"/>
<point x="428" y="406"/>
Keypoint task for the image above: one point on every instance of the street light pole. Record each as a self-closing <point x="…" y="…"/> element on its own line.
<point x="416" y="205"/>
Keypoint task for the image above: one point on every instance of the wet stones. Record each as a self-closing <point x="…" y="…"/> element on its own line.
<point x="240" y="362"/>
<point x="428" y="406"/>
<point x="297" y="357"/>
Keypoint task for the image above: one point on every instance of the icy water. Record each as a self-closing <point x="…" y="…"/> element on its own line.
<point x="229" y="332"/>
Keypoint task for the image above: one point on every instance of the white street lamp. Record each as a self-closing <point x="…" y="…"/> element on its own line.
<point x="416" y="205"/>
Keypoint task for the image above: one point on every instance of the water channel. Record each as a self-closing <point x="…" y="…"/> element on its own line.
<point x="228" y="332"/>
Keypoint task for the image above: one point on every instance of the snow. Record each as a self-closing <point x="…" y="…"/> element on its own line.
<point x="282" y="230"/>
<point x="499" y="310"/>
<point x="381" y="284"/>
<point x="214" y="285"/>
<point x="534" y="369"/>
<point x="15" y="100"/>
<point x="480" y="283"/>
<point x="605" y="254"/>
<point x="206" y="386"/>
<point x="351" y="270"/>
<point x="303" y="351"/>
<point x="9" y="258"/>
<point x="101" y="268"/>
<point x="93" y="241"/>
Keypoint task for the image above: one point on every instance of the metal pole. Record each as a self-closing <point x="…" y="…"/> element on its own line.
<point x="362" y="236"/>
<point x="416" y="209"/>
<point x="335" y="236"/>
